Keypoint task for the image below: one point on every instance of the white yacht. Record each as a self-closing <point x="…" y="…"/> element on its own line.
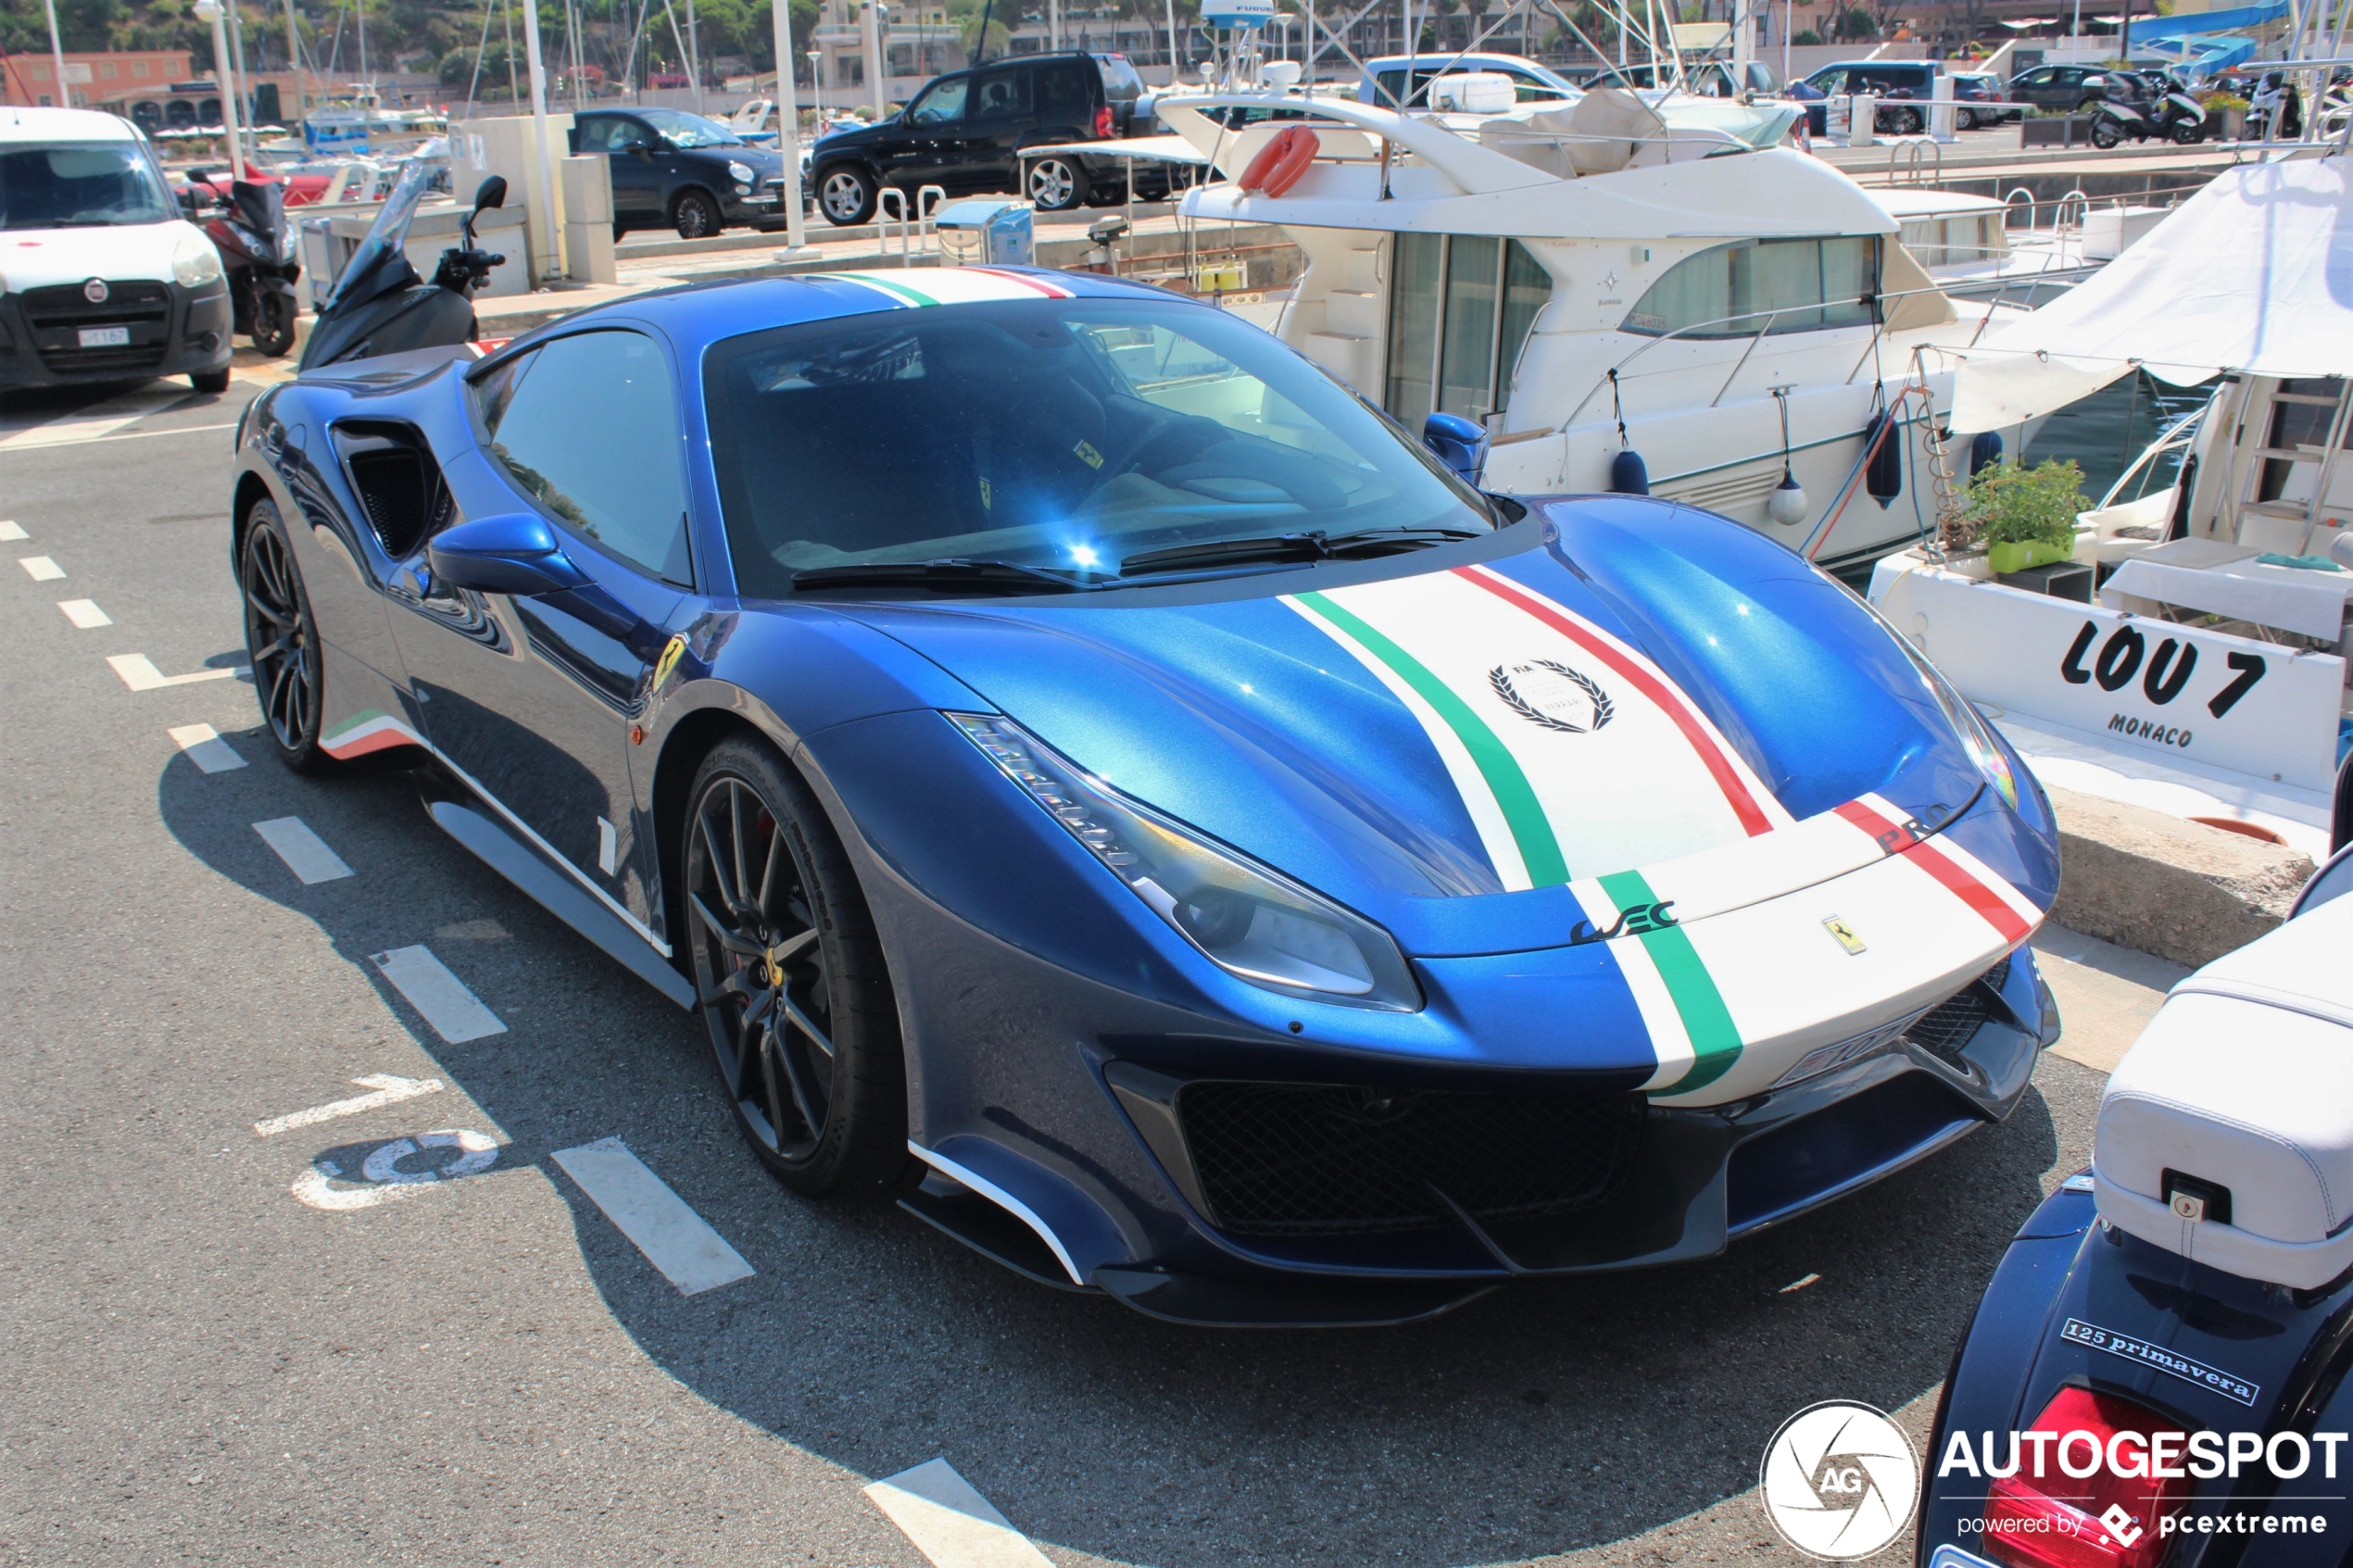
<point x="1628" y="272"/>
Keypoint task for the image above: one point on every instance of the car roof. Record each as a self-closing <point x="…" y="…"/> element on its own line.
<point x="65" y="125"/>
<point x="695" y="315"/>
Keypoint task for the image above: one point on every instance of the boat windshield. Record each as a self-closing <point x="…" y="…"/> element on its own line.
<point x="80" y="185"/>
<point x="689" y="130"/>
<point x="1068" y="435"/>
<point x="381" y="264"/>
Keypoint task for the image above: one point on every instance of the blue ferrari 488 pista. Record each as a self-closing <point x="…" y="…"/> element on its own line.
<point x="1099" y="780"/>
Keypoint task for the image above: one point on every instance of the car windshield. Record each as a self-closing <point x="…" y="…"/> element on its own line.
<point x="81" y="184"/>
<point x="1065" y="435"/>
<point x="689" y="130"/>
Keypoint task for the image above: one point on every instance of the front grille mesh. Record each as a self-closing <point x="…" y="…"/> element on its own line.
<point x="1947" y="1028"/>
<point x="1332" y="1159"/>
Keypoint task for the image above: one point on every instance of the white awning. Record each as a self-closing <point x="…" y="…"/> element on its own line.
<point x="2253" y="274"/>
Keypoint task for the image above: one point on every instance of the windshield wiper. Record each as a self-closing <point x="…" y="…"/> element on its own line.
<point x="1315" y="544"/>
<point x="948" y="575"/>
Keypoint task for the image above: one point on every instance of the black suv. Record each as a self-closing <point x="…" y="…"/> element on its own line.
<point x="966" y="132"/>
<point x="671" y="170"/>
<point x="2072" y="88"/>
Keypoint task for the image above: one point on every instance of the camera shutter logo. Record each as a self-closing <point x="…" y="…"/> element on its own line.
<point x="1838" y="1481"/>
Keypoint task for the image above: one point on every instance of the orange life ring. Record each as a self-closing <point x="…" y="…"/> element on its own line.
<point x="1282" y="160"/>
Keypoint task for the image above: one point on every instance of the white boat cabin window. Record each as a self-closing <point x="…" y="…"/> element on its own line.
<point x="1460" y="306"/>
<point x="1764" y="285"/>
<point x="1943" y="242"/>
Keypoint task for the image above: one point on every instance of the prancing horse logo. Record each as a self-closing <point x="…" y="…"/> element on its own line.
<point x="1553" y="695"/>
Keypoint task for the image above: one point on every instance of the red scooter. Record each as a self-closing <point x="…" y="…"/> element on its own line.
<point x="260" y="252"/>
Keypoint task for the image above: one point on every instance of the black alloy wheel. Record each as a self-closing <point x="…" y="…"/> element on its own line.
<point x="793" y="989"/>
<point x="281" y="640"/>
<point x="273" y="323"/>
<point x="1056" y="184"/>
<point x="847" y="196"/>
<point x="694" y="215"/>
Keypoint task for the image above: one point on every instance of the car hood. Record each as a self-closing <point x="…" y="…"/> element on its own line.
<point x="1464" y="742"/>
<point x="32" y="259"/>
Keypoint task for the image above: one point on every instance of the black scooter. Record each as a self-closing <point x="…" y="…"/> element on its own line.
<point x="261" y="252"/>
<point x="380" y="304"/>
<point x="2159" y="110"/>
<point x="2277" y="112"/>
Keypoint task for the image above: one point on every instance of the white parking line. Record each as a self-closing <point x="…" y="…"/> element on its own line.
<point x="389" y="1091"/>
<point x="10" y="530"/>
<point x="86" y="614"/>
<point x="97" y="420"/>
<point x="41" y="568"/>
<point x="26" y="440"/>
<point x="206" y="749"/>
<point x="456" y="1014"/>
<point x="139" y="671"/>
<point x="949" y="1522"/>
<point x="305" y="853"/>
<point x="673" y="1236"/>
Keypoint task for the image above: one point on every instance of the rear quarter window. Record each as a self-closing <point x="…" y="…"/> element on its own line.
<point x="1120" y="81"/>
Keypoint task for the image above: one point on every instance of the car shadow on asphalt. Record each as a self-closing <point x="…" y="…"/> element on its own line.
<point x="1544" y="1419"/>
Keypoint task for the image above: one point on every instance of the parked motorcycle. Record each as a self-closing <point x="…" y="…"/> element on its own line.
<point x="2157" y="108"/>
<point x="381" y="306"/>
<point x="2276" y="112"/>
<point x="261" y="252"/>
<point x="2157" y="1373"/>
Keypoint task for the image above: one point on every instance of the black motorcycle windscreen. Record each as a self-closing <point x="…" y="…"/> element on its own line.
<point x="381" y="264"/>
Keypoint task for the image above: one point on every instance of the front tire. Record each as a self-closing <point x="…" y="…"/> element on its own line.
<point x="214" y="382"/>
<point x="695" y="216"/>
<point x="2105" y="135"/>
<point x="282" y="641"/>
<point x="847" y="196"/>
<point x="796" y="995"/>
<point x="1056" y="184"/>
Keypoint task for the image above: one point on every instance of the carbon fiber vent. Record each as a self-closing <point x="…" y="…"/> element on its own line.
<point x="1947" y="1028"/>
<point x="1330" y="1160"/>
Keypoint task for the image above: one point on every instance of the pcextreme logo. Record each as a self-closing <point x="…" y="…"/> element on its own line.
<point x="1838" y="1481"/>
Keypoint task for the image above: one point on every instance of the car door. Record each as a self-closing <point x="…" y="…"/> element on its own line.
<point x="928" y="141"/>
<point x="1001" y="119"/>
<point x="533" y="697"/>
<point x="637" y="177"/>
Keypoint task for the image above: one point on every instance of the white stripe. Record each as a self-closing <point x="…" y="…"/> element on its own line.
<point x="1670" y="1042"/>
<point x="86" y="614"/>
<point x="456" y="1014"/>
<point x="25" y="443"/>
<point x="305" y="853"/>
<point x="97" y="420"/>
<point x="1977" y="870"/>
<point x="950" y="1523"/>
<point x="205" y="749"/>
<point x="389" y="1090"/>
<point x="1486" y="816"/>
<point x="1003" y="1200"/>
<point x="10" y="530"/>
<point x="673" y="1236"/>
<point x="41" y="568"/>
<point x="139" y="673"/>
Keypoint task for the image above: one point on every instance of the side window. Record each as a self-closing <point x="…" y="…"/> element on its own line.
<point x="1392" y="89"/>
<point x="596" y="136"/>
<point x="1063" y="97"/>
<point x="1771" y="287"/>
<point x="943" y="105"/>
<point x="1002" y="94"/>
<point x="1460" y="307"/>
<point x="587" y="426"/>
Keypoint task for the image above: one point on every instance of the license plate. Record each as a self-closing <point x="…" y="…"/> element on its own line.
<point x="106" y="337"/>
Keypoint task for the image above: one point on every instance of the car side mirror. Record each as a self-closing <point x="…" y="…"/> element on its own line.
<point x="1459" y="443"/>
<point x="510" y="553"/>
<point x="491" y="193"/>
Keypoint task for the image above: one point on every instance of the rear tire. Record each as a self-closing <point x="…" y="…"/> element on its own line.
<point x="2187" y="133"/>
<point x="282" y="641"/>
<point x="1055" y="184"/>
<point x="1965" y="119"/>
<point x="2105" y="135"/>
<point x="273" y="323"/>
<point x="847" y="196"/>
<point x="1907" y="122"/>
<point x="796" y="995"/>
<point x="695" y="216"/>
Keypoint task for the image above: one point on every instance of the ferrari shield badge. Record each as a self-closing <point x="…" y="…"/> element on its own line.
<point x="1844" y="933"/>
<point x="670" y="653"/>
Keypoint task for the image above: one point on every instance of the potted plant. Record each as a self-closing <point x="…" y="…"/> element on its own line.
<point x="2228" y="110"/>
<point x="2025" y="517"/>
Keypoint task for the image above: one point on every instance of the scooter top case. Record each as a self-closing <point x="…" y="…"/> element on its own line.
<point x="2156" y="1375"/>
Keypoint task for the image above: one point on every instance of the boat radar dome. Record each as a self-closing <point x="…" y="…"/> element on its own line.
<point x="1238" y="13"/>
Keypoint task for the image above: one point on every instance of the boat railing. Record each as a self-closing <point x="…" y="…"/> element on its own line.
<point x="2181" y="432"/>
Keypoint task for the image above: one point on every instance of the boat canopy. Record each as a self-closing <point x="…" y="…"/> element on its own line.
<point x="2253" y="274"/>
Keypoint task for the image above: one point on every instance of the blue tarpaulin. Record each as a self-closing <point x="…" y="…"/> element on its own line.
<point x="2196" y="23"/>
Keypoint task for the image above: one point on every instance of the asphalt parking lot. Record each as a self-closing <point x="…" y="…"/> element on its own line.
<point x="214" y="1349"/>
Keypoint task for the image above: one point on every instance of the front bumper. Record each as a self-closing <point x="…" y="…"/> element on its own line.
<point x="170" y="331"/>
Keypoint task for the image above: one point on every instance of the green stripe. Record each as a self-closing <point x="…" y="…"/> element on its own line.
<point x="1716" y="1042"/>
<point x="1514" y="796"/>
<point x="902" y="290"/>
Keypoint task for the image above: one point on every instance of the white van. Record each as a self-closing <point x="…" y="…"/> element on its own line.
<point x="101" y="279"/>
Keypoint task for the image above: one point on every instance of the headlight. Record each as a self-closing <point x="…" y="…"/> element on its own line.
<point x="1976" y="737"/>
<point x="193" y="262"/>
<point x="1250" y="922"/>
<point x="742" y="174"/>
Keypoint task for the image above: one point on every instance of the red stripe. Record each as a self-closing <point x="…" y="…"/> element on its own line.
<point x="1049" y="290"/>
<point x="1897" y="839"/>
<point x="1670" y="701"/>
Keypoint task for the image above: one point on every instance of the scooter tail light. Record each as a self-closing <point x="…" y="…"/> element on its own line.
<point x="2103" y="1519"/>
<point x="1103" y="122"/>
